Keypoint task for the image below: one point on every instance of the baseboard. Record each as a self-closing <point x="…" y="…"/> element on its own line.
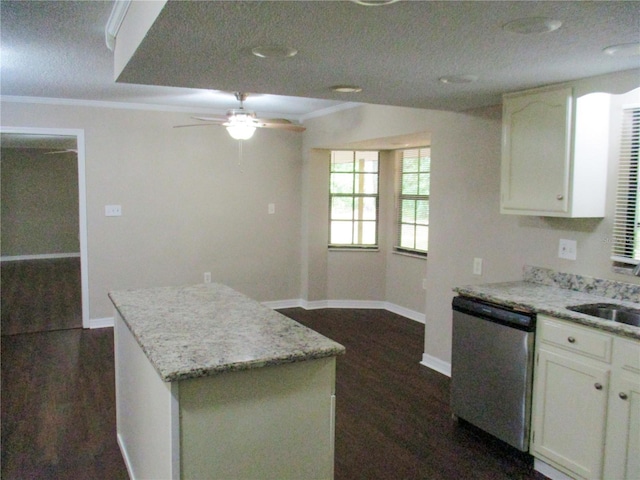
<point x="101" y="322"/>
<point x="405" y="312"/>
<point x="43" y="256"/>
<point x="277" y="304"/>
<point x="436" y="364"/>
<point x="549" y="471"/>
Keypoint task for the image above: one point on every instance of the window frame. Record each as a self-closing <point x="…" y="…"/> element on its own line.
<point x="355" y="195"/>
<point x="400" y="196"/>
<point x="626" y="229"/>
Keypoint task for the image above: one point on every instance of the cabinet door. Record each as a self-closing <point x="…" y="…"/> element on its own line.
<point x="536" y="152"/>
<point x="569" y="416"/>
<point x="622" y="460"/>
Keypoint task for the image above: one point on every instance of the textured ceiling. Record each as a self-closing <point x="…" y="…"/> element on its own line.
<point x="198" y="52"/>
<point x="396" y="53"/>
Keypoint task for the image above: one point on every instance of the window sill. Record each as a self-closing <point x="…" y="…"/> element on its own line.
<point x="354" y="249"/>
<point x="623" y="270"/>
<point x="409" y="254"/>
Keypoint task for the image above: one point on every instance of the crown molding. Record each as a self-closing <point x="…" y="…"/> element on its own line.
<point x="118" y="12"/>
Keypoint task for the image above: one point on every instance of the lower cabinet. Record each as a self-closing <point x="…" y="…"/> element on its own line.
<point x="623" y="419"/>
<point x="586" y="405"/>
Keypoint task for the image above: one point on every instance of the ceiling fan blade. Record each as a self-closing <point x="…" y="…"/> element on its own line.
<point x="57" y="152"/>
<point x="212" y="119"/>
<point x="283" y="126"/>
<point x="281" y="123"/>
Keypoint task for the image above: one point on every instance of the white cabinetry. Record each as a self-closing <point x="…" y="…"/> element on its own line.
<point x="623" y="419"/>
<point x="554" y="153"/>
<point x="585" y="397"/>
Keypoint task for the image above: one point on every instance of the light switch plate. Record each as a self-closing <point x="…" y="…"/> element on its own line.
<point x="477" y="266"/>
<point x="568" y="249"/>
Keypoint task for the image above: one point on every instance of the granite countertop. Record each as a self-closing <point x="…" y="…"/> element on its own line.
<point x="552" y="300"/>
<point x="207" y="329"/>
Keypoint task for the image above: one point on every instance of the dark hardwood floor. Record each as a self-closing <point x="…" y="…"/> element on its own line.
<point x="392" y="419"/>
<point x="39" y="295"/>
<point x="58" y="406"/>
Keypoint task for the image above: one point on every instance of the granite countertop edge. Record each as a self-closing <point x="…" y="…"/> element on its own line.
<point x="552" y="301"/>
<point x="180" y="350"/>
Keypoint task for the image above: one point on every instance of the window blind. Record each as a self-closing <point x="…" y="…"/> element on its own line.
<point x="626" y="232"/>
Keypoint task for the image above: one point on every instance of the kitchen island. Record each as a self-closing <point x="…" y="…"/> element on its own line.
<point x="211" y="384"/>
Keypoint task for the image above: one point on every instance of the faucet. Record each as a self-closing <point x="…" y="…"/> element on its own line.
<point x="636" y="270"/>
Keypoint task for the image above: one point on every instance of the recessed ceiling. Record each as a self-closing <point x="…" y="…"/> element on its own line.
<point x="198" y="52"/>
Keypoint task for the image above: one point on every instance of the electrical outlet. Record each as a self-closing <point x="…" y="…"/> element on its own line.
<point x="112" y="210"/>
<point x="477" y="266"/>
<point x="568" y="249"/>
<point x="424" y="283"/>
<point x="271" y="208"/>
<point x="207" y="277"/>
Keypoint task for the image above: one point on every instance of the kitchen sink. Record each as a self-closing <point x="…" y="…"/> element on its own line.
<point x="610" y="311"/>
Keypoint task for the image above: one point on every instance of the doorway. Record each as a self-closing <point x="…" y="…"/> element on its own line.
<point x="44" y="239"/>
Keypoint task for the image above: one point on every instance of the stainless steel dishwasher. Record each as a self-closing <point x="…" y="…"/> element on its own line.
<point x="492" y="368"/>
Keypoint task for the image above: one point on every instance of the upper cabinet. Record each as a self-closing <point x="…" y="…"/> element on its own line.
<point x="554" y="153"/>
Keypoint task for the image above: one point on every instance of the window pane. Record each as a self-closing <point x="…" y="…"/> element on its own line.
<point x="425" y="163"/>
<point x="408" y="211"/>
<point x="341" y="208"/>
<point x="341" y="183"/>
<point x="407" y="235"/>
<point x="367" y="183"/>
<point x="422" y="212"/>
<point x="424" y="183"/>
<point x="410" y="184"/>
<point x="410" y="164"/>
<point x="341" y="233"/>
<point x="365" y="208"/>
<point x="422" y="238"/>
<point x="342" y="161"/>
<point x="366" y="162"/>
<point x="365" y="233"/>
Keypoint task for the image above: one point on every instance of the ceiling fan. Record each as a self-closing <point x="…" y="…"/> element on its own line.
<point x="58" y="152"/>
<point x="241" y="123"/>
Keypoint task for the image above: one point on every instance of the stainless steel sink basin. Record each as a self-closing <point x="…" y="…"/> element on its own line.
<point x="610" y="311"/>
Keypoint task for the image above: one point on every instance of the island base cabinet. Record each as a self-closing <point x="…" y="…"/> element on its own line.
<point x="273" y="422"/>
<point x="266" y="423"/>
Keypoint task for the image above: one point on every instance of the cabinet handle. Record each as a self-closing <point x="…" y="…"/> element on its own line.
<point x="559" y="196"/>
<point x="623" y="395"/>
<point x="571" y="340"/>
<point x="598" y="386"/>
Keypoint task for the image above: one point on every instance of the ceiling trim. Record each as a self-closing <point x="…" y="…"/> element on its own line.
<point x="72" y="102"/>
<point x="329" y="110"/>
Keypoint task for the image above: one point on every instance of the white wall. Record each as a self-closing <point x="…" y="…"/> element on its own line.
<point x="189" y="206"/>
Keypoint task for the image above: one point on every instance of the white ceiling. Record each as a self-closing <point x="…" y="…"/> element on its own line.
<point x="198" y="52"/>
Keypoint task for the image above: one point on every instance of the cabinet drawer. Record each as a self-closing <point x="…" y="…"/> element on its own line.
<point x="576" y="339"/>
<point x="626" y="355"/>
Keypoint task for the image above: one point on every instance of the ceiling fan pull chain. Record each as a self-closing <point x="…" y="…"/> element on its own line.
<point x="240" y="155"/>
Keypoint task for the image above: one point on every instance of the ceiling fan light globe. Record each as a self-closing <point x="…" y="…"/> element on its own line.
<point x="241" y="131"/>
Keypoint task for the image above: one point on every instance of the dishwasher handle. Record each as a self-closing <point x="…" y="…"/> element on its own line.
<point x="495" y="313"/>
